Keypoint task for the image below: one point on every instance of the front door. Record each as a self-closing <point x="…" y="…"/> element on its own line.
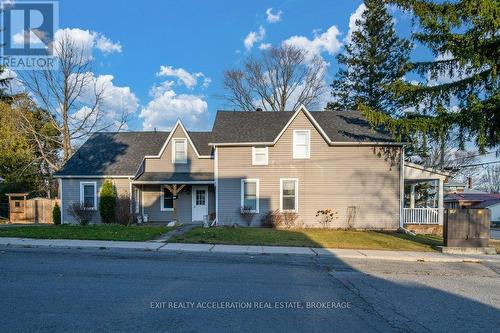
<point x="200" y="203"/>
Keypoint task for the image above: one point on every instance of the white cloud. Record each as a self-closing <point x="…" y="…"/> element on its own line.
<point x="273" y="18"/>
<point x="190" y="80"/>
<point x="166" y="107"/>
<point x="104" y="44"/>
<point x="6" y="4"/>
<point x="265" y="46"/>
<point x="14" y="85"/>
<point x="352" y="21"/>
<point x="117" y="102"/>
<point x="325" y="42"/>
<point x="87" y="41"/>
<point x="254" y="37"/>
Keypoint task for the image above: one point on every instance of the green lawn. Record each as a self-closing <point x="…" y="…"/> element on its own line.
<point x="94" y="232"/>
<point x="340" y="239"/>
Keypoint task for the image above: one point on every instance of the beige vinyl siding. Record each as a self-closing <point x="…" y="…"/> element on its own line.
<point x="164" y="162"/>
<point x="71" y="194"/>
<point x="334" y="177"/>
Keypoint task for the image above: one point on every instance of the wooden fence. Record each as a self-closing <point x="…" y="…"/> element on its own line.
<point x="37" y="210"/>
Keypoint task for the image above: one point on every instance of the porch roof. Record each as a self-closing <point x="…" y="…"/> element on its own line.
<point x="415" y="173"/>
<point x="175" y="178"/>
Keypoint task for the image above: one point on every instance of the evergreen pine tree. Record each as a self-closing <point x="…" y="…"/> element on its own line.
<point x="464" y="38"/>
<point x="374" y="58"/>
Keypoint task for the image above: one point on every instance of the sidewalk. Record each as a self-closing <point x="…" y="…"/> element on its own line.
<point x="244" y="249"/>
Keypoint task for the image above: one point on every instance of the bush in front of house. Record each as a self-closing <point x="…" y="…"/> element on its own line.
<point x="107" y="202"/>
<point x="81" y="214"/>
<point x="326" y="217"/>
<point x="56" y="214"/>
<point x="277" y="219"/>
<point x="124" y="214"/>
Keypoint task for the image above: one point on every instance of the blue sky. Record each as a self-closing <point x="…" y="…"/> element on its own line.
<point x="165" y="59"/>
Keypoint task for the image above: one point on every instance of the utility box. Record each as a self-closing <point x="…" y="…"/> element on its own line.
<point x="466" y="227"/>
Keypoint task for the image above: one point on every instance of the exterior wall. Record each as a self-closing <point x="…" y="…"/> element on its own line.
<point x="334" y="177"/>
<point x="164" y="162"/>
<point x="71" y="194"/>
<point x="151" y="203"/>
<point x="495" y="213"/>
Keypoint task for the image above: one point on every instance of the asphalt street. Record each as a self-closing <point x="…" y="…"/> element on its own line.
<point x="57" y="290"/>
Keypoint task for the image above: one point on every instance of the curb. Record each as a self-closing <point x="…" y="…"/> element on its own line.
<point x="151" y="246"/>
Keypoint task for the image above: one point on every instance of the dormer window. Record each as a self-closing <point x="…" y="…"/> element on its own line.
<point x="179" y="151"/>
<point x="301" y="143"/>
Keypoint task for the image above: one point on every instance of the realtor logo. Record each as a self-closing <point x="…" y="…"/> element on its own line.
<point x="28" y="32"/>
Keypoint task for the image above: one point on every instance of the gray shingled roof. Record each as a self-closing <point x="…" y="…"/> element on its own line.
<point x="176" y="176"/>
<point x="339" y="126"/>
<point x="487" y="203"/>
<point x="120" y="153"/>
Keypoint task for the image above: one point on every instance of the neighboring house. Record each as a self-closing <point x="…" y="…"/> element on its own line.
<point x="476" y="200"/>
<point x="298" y="162"/>
<point x="454" y="187"/>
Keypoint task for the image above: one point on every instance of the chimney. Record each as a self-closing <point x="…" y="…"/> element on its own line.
<point x="258" y="110"/>
<point x="469" y="183"/>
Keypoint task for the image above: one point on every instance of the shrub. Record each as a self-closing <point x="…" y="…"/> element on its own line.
<point x="272" y="219"/>
<point x="107" y="202"/>
<point x="289" y="219"/>
<point x="81" y="214"/>
<point x="56" y="214"/>
<point x="326" y="217"/>
<point x="123" y="210"/>
<point x="247" y="214"/>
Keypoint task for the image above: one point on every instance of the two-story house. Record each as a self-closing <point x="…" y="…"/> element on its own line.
<point x="298" y="162"/>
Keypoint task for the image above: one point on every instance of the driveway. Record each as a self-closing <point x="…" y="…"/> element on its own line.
<point x="55" y="290"/>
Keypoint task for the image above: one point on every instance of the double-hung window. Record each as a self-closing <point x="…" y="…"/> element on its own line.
<point x="250" y="195"/>
<point x="167" y="200"/>
<point x="260" y="155"/>
<point x="301" y="143"/>
<point x="289" y="194"/>
<point x="179" y="151"/>
<point x="88" y="195"/>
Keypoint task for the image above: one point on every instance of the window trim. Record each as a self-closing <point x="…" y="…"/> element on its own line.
<point x="162" y="202"/>
<point x="257" y="194"/>
<point x="183" y="140"/>
<point x="254" y="162"/>
<point x="296" y="210"/>
<point x="295" y="153"/>
<point x="82" y="198"/>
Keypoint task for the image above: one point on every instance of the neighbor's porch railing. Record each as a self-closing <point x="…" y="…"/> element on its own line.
<point x="421" y="215"/>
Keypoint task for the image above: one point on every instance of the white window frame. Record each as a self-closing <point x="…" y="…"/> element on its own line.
<point x="257" y="195"/>
<point x="162" y="203"/>
<point x="82" y="185"/>
<point x="183" y="140"/>
<point x="295" y="152"/>
<point x="296" y="180"/>
<point x="254" y="161"/>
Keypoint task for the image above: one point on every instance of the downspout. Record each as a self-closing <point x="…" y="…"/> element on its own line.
<point x="216" y="176"/>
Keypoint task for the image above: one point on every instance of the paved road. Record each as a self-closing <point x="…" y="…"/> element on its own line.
<point x="54" y="290"/>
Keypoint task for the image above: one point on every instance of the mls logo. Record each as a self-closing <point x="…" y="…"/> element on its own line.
<point x="28" y="33"/>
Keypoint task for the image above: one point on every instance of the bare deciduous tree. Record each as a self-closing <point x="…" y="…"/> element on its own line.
<point x="490" y="180"/>
<point x="70" y="95"/>
<point x="280" y="79"/>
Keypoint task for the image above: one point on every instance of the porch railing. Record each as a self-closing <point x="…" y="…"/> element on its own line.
<point x="421" y="215"/>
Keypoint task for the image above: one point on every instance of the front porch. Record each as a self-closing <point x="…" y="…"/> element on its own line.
<point x="160" y="198"/>
<point x="422" y="195"/>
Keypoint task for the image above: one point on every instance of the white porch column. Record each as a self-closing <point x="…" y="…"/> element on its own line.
<point x="412" y="196"/>
<point x="440" y="202"/>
